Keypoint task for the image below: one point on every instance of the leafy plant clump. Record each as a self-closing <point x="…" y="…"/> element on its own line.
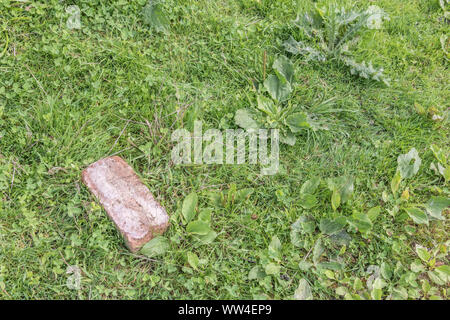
<point x="277" y="112"/>
<point x="332" y="32"/>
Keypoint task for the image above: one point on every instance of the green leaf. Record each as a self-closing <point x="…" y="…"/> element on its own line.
<point x="153" y="15"/>
<point x="395" y="183"/>
<point x="417" y="215"/>
<point x="436" y="205"/>
<point x="304" y="265"/>
<point x="198" y="227"/>
<point x="360" y="221"/>
<point x="341" y="291"/>
<point x="437" y="278"/>
<point x="244" y="119"/>
<point x="341" y="238"/>
<point x="193" y="260"/>
<point x="335" y="199"/>
<point x="310" y="186"/>
<point x="275" y="248"/>
<point x="157" y="246"/>
<point x="330" y="265"/>
<point x="423" y="253"/>
<point x="266" y="105"/>
<point x="373" y="213"/>
<point x="357" y="285"/>
<point x="399" y="293"/>
<point x="288" y="138"/>
<point x="189" y="204"/>
<point x="342" y="188"/>
<point x="207" y="238"/>
<point x="301" y="226"/>
<point x="409" y="163"/>
<point x="386" y="270"/>
<point x="272" y="269"/>
<point x="376" y="294"/>
<point x="416" y="266"/>
<point x="256" y="273"/>
<point x="379" y="283"/>
<point x="303" y="291"/>
<point x="284" y="68"/>
<point x="444" y="269"/>
<point x="446" y="173"/>
<point x="205" y="215"/>
<point x="346" y="189"/>
<point x="278" y="90"/>
<point x="298" y="121"/>
<point x="318" y="251"/>
<point x="330" y="227"/>
<point x="308" y="201"/>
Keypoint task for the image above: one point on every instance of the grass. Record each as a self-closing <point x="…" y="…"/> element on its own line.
<point x="71" y="97"/>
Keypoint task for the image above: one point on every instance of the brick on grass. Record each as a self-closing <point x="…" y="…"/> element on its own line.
<point x="127" y="201"/>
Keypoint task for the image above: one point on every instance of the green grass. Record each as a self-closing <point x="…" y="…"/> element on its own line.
<point x="71" y="97"/>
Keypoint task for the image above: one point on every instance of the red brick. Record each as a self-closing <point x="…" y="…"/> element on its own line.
<point x="127" y="201"/>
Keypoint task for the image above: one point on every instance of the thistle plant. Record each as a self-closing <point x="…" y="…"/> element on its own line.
<point x="332" y="32"/>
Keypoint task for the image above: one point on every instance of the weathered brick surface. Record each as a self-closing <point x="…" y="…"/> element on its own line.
<point x="128" y="202"/>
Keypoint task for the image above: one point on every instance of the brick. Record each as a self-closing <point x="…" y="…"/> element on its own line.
<point x="127" y="201"/>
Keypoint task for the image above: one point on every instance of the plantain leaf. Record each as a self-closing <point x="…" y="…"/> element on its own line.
<point x="278" y="90"/>
<point x="436" y="205"/>
<point x="205" y="215"/>
<point x="360" y="221"/>
<point x="157" y="246"/>
<point x="303" y="291"/>
<point x="409" y="163"/>
<point x="272" y="269"/>
<point x="189" y="204"/>
<point x="335" y="199"/>
<point x="308" y="201"/>
<point x="193" y="260"/>
<point x="330" y="227"/>
<point x="423" y="253"/>
<point x="373" y="213"/>
<point x="298" y="121"/>
<point x="275" y="248"/>
<point x="288" y="139"/>
<point x="310" y="186"/>
<point x="284" y="68"/>
<point x="244" y="119"/>
<point x="207" y="238"/>
<point x="198" y="227"/>
<point x="417" y="215"/>
<point x="266" y="105"/>
<point x="154" y="16"/>
<point x="395" y="182"/>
